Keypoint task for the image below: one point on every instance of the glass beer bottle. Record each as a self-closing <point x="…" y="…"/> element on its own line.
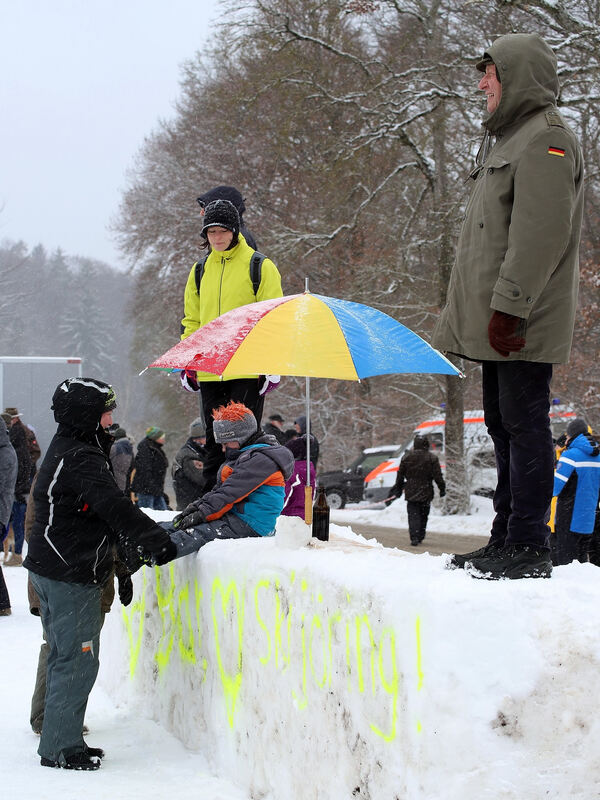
<point x="320" y="523"/>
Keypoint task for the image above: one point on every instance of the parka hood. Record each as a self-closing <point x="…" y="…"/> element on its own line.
<point x="527" y="69"/>
<point x="80" y="402"/>
<point x="586" y="443"/>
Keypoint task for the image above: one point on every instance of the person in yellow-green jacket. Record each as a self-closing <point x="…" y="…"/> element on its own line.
<point x="232" y="275"/>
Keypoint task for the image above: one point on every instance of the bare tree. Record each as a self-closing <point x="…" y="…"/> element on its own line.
<point x="350" y="127"/>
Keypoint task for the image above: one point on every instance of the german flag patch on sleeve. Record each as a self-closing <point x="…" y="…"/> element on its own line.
<point x="556" y="151"/>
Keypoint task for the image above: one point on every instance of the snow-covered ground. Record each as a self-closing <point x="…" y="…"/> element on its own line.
<point x="407" y="681"/>
<point x="476" y="523"/>
<point x="143" y="761"/>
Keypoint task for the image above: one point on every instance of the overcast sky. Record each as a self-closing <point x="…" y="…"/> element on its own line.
<point x="81" y="83"/>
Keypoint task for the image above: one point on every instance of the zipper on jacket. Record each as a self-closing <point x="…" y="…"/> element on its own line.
<point x="98" y="556"/>
<point x="223" y="262"/>
<point x="51" y="511"/>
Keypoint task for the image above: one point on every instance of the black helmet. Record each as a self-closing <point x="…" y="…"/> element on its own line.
<point x="81" y="402"/>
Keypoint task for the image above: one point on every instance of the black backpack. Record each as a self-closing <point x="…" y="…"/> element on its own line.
<point x="255" y="271"/>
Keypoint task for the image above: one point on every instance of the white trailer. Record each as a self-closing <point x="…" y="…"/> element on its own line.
<point x="28" y="383"/>
<point x="480" y="460"/>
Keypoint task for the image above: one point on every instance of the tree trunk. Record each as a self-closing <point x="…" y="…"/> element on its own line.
<point x="457" y="489"/>
<point x="457" y="492"/>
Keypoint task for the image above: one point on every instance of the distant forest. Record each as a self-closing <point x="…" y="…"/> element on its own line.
<point x="53" y="304"/>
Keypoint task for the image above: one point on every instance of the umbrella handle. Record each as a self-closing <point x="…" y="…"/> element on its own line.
<point x="308" y="505"/>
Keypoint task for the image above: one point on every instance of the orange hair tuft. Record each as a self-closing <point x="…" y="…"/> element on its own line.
<point x="232" y="411"/>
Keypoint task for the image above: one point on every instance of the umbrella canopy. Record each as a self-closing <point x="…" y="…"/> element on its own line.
<point x="305" y="335"/>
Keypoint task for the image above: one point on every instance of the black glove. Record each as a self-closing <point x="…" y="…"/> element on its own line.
<point x="125" y="589"/>
<point x="130" y="554"/>
<point x="166" y="554"/>
<point x="502" y="336"/>
<point x="189" y="520"/>
<point x="190" y="511"/>
<point x="442" y="493"/>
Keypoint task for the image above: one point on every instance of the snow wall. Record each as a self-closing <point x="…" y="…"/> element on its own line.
<point x="344" y="670"/>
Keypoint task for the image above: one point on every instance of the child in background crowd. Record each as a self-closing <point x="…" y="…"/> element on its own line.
<point x="293" y="505"/>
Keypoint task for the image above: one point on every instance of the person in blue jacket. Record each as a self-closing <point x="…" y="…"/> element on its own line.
<point x="577" y="486"/>
<point x="250" y="489"/>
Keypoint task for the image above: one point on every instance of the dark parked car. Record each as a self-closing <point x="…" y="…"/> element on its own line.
<point x="346" y="486"/>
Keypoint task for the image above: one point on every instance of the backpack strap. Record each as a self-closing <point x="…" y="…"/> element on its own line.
<point x="199" y="272"/>
<point x="255" y="271"/>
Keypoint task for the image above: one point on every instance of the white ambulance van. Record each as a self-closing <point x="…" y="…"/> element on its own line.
<point x="479" y="452"/>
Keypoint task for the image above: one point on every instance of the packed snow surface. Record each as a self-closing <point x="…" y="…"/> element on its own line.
<point x="269" y="669"/>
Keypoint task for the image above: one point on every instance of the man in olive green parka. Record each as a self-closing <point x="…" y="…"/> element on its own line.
<point x="513" y="290"/>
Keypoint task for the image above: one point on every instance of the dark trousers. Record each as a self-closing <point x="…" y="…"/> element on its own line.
<point x="516" y="403"/>
<point x="567" y="547"/>
<point x="72" y="620"/>
<point x="582" y="544"/>
<point x="4" y="598"/>
<point x="154" y="501"/>
<point x="17" y="519"/>
<point x="219" y="393"/>
<point x="38" y="699"/>
<point x="418" y="514"/>
<point x="190" y="540"/>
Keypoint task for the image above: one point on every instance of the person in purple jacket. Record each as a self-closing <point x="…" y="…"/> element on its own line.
<point x="293" y="505"/>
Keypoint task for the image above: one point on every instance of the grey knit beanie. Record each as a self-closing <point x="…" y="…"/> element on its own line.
<point x="197" y="429"/>
<point x="233" y="426"/>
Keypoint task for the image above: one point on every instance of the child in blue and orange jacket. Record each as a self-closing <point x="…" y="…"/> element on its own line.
<point x="249" y="493"/>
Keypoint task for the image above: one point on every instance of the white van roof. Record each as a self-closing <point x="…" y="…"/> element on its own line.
<point x="384" y="448"/>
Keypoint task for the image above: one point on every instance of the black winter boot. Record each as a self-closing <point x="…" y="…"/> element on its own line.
<point x="512" y="562"/>
<point x="78" y="761"/>
<point x="94" y="752"/>
<point x="458" y="561"/>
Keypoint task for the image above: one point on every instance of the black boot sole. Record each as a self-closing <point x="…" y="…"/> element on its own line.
<point x="85" y="766"/>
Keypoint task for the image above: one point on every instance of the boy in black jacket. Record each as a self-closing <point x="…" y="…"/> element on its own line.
<point x="80" y="514"/>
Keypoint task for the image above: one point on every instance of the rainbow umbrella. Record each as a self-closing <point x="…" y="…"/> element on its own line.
<point x="305" y="335"/>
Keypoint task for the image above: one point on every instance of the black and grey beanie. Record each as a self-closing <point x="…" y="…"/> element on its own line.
<point x="223" y="214"/>
<point x="575" y="427"/>
<point x="116" y="431"/>
<point x="234" y="427"/>
<point x="197" y="429"/>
